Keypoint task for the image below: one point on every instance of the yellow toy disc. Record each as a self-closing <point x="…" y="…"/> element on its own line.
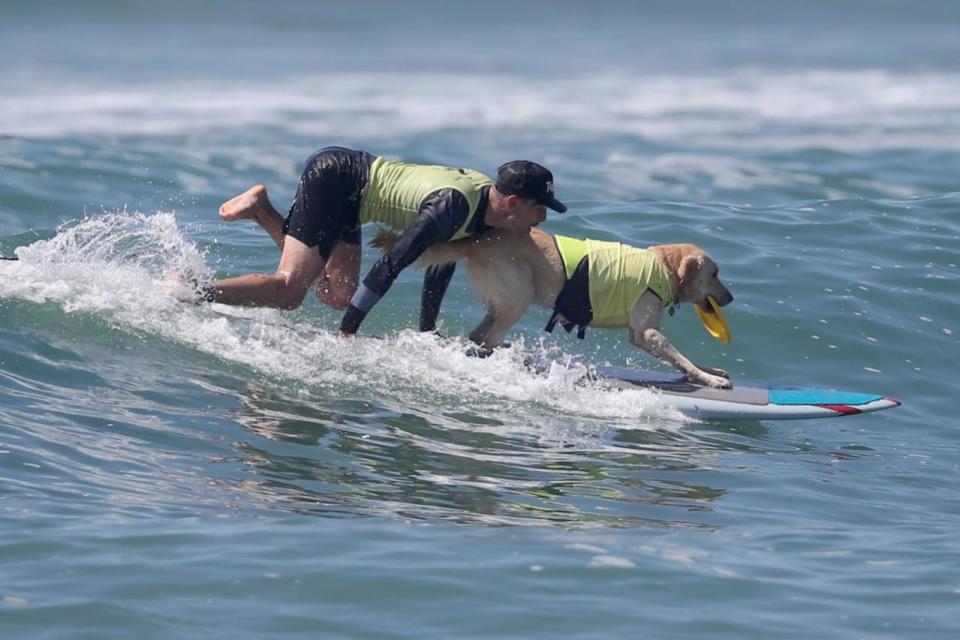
<point x="714" y="321"/>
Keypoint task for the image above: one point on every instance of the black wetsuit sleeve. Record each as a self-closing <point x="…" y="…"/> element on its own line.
<point x="435" y="283"/>
<point x="441" y="215"/>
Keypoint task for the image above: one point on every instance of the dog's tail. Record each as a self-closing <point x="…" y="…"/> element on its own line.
<point x="436" y="256"/>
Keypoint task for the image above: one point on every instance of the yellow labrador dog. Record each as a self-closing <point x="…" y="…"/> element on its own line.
<point x="601" y="284"/>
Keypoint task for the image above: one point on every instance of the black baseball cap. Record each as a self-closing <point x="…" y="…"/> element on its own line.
<point x="526" y="179"/>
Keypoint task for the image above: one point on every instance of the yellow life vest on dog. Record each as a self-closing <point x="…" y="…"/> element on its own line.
<point x="395" y="191"/>
<point x="618" y="275"/>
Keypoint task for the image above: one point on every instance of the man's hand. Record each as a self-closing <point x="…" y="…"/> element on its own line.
<point x="186" y="287"/>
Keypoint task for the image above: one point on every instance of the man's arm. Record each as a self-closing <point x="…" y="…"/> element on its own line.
<point x="440" y="217"/>
<point x="435" y="283"/>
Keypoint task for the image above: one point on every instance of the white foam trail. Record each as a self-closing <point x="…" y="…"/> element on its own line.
<point x="746" y="108"/>
<point x="117" y="266"/>
<point x="628" y="174"/>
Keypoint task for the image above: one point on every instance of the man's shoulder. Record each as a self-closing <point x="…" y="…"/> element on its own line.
<point x="446" y="199"/>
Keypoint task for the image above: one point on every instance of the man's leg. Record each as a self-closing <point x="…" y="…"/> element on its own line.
<point x="338" y="281"/>
<point x="254" y="204"/>
<point x="299" y="267"/>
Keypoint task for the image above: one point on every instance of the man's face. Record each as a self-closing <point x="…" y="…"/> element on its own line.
<point x="525" y="213"/>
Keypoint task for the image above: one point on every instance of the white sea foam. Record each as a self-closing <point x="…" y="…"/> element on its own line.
<point x="684" y="171"/>
<point x="117" y="266"/>
<point x="842" y="110"/>
<point x="616" y="562"/>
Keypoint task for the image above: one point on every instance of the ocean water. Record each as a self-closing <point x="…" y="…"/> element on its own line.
<point x="179" y="471"/>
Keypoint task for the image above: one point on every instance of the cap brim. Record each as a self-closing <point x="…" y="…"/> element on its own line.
<point x="556" y="205"/>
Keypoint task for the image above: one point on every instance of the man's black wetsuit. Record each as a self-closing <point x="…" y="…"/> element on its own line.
<point x="326" y="210"/>
<point x="441" y="215"/>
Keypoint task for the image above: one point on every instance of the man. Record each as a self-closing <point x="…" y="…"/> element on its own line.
<point x="341" y="189"/>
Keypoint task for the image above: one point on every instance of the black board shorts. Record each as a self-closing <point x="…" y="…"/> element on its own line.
<point x="326" y="209"/>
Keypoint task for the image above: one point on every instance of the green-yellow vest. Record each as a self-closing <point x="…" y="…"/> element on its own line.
<point x="619" y="275"/>
<point x="396" y="190"/>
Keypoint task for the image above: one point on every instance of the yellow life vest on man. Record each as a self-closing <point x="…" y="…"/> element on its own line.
<point x="396" y="190"/>
<point x="618" y="275"/>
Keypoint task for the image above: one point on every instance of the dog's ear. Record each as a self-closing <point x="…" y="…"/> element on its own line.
<point x="690" y="268"/>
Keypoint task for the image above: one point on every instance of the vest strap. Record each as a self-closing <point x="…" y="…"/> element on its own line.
<point x="552" y="322"/>
<point x="573" y="301"/>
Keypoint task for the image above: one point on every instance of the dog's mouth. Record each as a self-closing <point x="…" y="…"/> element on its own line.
<point x="710" y="302"/>
<point x="713" y="321"/>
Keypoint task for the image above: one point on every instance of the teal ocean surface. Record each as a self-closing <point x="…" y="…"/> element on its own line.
<point x="179" y="471"/>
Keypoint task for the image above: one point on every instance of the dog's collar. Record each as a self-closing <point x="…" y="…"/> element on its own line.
<point x="671" y="307"/>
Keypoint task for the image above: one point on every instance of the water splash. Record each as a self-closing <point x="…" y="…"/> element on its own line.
<point x="117" y="266"/>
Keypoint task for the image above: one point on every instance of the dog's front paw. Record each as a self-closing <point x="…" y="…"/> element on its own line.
<point x="714" y="372"/>
<point x="478" y="352"/>
<point x="700" y="376"/>
<point x="717" y="382"/>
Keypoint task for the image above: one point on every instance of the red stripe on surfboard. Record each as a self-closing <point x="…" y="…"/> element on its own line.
<point x="846" y="410"/>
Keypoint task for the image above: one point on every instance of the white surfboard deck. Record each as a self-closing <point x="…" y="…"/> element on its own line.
<point x="745" y="401"/>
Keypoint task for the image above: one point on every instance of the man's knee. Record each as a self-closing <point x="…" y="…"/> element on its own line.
<point x="291" y="301"/>
<point x="290" y="295"/>
<point x="338" y="298"/>
<point x="337" y="303"/>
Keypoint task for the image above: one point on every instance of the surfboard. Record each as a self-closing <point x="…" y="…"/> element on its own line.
<point x="745" y="401"/>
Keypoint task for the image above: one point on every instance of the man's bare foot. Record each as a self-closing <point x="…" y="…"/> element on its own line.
<point x="248" y="204"/>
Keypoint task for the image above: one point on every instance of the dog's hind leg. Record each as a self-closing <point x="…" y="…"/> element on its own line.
<point x="479" y="335"/>
<point x="501" y="315"/>
<point x="495" y="325"/>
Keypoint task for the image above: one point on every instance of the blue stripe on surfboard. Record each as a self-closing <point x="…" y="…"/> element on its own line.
<point x="820" y="396"/>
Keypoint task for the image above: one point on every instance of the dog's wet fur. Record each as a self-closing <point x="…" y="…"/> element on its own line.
<point x="510" y="271"/>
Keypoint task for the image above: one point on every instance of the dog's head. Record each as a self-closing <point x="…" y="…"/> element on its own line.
<point x="699" y="278"/>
